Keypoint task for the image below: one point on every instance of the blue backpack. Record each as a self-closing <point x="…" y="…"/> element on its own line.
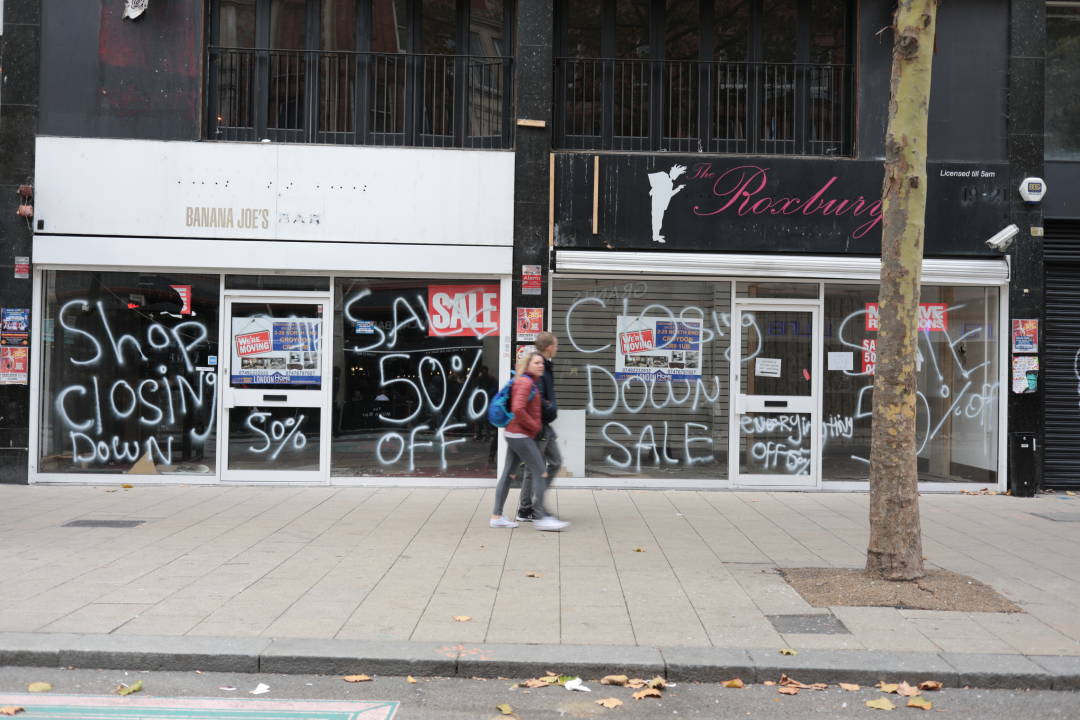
<point x="499" y="413"/>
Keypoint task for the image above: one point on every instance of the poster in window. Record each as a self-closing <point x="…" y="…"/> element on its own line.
<point x="1025" y="336"/>
<point x="659" y="348"/>
<point x="274" y="351"/>
<point x="933" y="317"/>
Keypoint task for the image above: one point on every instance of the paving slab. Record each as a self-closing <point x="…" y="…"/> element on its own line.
<point x="149" y="652"/>
<point x="587" y="661"/>
<point x="344" y="657"/>
<point x="994" y="670"/>
<point x="865" y="667"/>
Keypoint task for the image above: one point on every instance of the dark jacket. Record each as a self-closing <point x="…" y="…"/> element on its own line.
<point x="526" y="420"/>
<point x="547" y="390"/>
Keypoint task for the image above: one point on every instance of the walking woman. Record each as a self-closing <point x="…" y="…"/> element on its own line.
<point x="521" y="434"/>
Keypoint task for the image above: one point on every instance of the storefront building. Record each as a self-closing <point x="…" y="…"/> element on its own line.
<point x="302" y="241"/>
<point x="246" y="341"/>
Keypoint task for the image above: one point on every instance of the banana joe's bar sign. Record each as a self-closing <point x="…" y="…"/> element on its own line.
<point x="726" y="204"/>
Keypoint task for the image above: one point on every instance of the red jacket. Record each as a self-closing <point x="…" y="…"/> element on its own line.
<point x="526" y="412"/>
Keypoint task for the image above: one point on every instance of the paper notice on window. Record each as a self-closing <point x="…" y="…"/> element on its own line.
<point x="841" y="361"/>
<point x="767" y="367"/>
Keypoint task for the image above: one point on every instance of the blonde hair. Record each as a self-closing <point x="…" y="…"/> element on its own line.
<point x="523" y="361"/>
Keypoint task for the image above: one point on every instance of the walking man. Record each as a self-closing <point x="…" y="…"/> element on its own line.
<point x="547" y="345"/>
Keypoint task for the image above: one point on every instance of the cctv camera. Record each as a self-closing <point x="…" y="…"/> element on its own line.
<point x="1003" y="238"/>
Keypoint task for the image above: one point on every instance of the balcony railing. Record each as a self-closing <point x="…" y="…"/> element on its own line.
<point x="352" y="98"/>
<point x="693" y="106"/>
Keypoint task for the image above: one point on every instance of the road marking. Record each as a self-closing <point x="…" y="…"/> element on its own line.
<point x="92" y="707"/>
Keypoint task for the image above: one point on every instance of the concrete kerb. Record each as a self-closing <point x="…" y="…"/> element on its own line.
<point x="345" y="657"/>
<point x="591" y="662"/>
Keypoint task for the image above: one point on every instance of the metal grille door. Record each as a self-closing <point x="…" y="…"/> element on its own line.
<point x="1062" y="354"/>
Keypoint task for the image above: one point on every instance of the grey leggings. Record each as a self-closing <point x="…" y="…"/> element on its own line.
<point x="523" y="450"/>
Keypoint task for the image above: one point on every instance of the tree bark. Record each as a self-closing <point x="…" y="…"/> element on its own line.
<point x="895" y="548"/>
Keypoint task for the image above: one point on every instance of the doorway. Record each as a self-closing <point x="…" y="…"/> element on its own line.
<point x="276" y="388"/>
<point x="775" y="437"/>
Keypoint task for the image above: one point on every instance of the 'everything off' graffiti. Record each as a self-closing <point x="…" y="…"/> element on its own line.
<point x="955" y="384"/>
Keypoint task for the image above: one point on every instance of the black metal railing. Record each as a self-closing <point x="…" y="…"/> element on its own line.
<point x="353" y="98"/>
<point x="695" y="106"/>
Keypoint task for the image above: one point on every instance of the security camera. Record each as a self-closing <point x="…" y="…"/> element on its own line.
<point x="1003" y="238"/>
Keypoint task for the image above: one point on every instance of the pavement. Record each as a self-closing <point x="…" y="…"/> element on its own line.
<point x="398" y="581"/>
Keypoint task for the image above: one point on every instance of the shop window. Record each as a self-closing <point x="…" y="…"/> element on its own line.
<point x="1062" y="79"/>
<point x="958" y="390"/>
<point x="431" y="73"/>
<point x="642" y="377"/>
<point x="128" y="373"/>
<point x="415" y="364"/>
<point x="730" y="76"/>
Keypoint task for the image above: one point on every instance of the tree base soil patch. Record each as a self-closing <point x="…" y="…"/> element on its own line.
<point x="938" y="590"/>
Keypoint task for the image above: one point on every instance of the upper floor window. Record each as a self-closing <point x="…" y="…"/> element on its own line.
<point x="1062" y="80"/>
<point x="730" y="76"/>
<point x="432" y="73"/>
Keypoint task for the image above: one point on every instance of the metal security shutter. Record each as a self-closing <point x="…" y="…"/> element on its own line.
<point x="1062" y="353"/>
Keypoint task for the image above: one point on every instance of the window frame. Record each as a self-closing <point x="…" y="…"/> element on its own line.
<point x="654" y="139"/>
<point x="362" y="95"/>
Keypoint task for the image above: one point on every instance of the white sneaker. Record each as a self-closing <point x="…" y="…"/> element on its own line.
<point x="550" y="523"/>
<point x="501" y="522"/>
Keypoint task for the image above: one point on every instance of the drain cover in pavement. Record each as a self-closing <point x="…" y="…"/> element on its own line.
<point x="104" y="523"/>
<point x="1059" y="516"/>
<point x="72" y="707"/>
<point x="808" y="624"/>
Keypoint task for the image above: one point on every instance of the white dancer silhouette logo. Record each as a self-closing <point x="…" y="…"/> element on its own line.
<point x="663" y="189"/>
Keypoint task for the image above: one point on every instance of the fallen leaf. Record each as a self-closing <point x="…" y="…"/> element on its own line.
<point x="906" y="690"/>
<point x="888" y="687"/>
<point x="788" y="691"/>
<point x="639" y="549"/>
<point x="635" y="683"/>
<point x="769" y="683"/>
<point x="532" y="574"/>
<point x="356" y="678"/>
<point x="609" y="702"/>
<point x="128" y="689"/>
<point x="563" y="679"/>
<point x="12" y="709"/>
<point x="550" y="679"/>
<point x="462" y="618"/>
<point x="647" y="692"/>
<point x="880" y="704"/>
<point x="658" y="682"/>
<point x="613" y="680"/>
<point x="505" y="709"/>
<point x="410" y="679"/>
<point x="127" y="486"/>
<point x="734" y="683"/>
<point x="39" y="687"/>
<point x="534" y="683"/>
<point x="787" y="651"/>
<point x="930" y="685"/>
<point x="850" y="687"/>
<point x="920" y="702"/>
